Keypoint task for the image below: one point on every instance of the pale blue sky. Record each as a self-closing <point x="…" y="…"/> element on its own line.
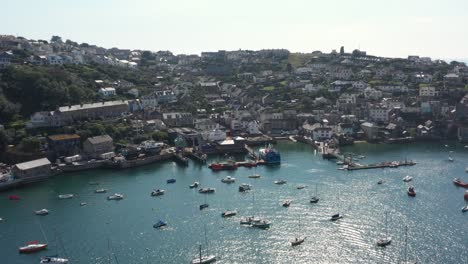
<point x="381" y="27"/>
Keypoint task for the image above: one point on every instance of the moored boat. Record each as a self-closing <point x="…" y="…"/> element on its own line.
<point x="32" y="246"/>
<point x="287" y="203"/>
<point x="383" y="242"/>
<point x="314" y="199"/>
<point x="229" y="165"/>
<point x="280" y="182"/>
<point x="203" y="259"/>
<point x="411" y="191"/>
<point x="466" y="195"/>
<point x="297" y="241"/>
<point x="100" y="191"/>
<point x="228" y="179"/>
<point x="254" y="176"/>
<point x="249" y="220"/>
<point x="157" y="192"/>
<point x="115" y="196"/>
<point x="262" y="224"/>
<point x="229" y="213"/>
<point x="300" y="187"/>
<point x="407" y="178"/>
<point x="194" y="185"/>
<point x="203" y="206"/>
<point x="83" y="203"/>
<point x="245" y="187"/>
<point x="336" y="217"/>
<point x="66" y="196"/>
<point x="160" y="224"/>
<point x="380" y="182"/>
<point x="460" y="183"/>
<point x="207" y="190"/>
<point x="42" y="212"/>
<point x="171" y="181"/>
<point x="270" y="155"/>
<point x="465" y="208"/>
<point x="53" y="259"/>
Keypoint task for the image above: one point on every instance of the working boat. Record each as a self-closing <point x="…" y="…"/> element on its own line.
<point x="160" y="224"/>
<point x="280" y="182"/>
<point x="203" y="259"/>
<point x="411" y="191"/>
<point x="336" y="217"/>
<point x="383" y="242"/>
<point x="228" y="179"/>
<point x="157" y="192"/>
<point x="66" y="196"/>
<point x="297" y="241"/>
<point x="14" y="197"/>
<point x="249" y="220"/>
<point x="194" y="185"/>
<point x="262" y="224"/>
<point x="460" y="183"/>
<point x="465" y="208"/>
<point x="229" y="165"/>
<point x="245" y="187"/>
<point x="254" y="176"/>
<point x="42" y="212"/>
<point x="100" y="191"/>
<point x="171" y="181"/>
<point x="53" y="259"/>
<point x="207" y="190"/>
<point x="115" y="196"/>
<point x="229" y="213"/>
<point x="287" y="203"/>
<point x="32" y="247"/>
<point x="83" y="203"/>
<point x="407" y="178"/>
<point x="270" y="155"/>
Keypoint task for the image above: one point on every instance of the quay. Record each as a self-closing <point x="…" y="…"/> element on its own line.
<point x="392" y="164"/>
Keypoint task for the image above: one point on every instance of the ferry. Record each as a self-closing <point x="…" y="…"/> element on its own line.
<point x="32" y="246"/>
<point x="270" y="155"/>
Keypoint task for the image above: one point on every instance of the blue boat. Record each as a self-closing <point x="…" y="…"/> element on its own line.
<point x="270" y="155"/>
<point x="160" y="224"/>
<point x="171" y="181"/>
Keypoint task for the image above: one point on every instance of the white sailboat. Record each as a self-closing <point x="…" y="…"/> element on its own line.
<point x="298" y="239"/>
<point x="383" y="242"/>
<point x="315" y="198"/>
<point x="203" y="259"/>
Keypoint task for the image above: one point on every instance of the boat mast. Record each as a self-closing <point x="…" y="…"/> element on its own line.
<point x="386" y="230"/>
<point x="406" y="244"/>
<point x="200" y="254"/>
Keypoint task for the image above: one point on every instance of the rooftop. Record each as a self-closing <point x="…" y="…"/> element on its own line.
<point x="63" y="137"/>
<point x="33" y="164"/>
<point x="91" y="106"/>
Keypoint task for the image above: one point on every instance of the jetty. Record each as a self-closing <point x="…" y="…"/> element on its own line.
<point x="387" y="164"/>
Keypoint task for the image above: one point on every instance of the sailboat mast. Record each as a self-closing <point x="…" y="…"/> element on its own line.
<point x="386" y="229"/>
<point x="200" y="254"/>
<point x="406" y="244"/>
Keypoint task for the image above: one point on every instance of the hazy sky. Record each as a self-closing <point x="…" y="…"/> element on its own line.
<point x="381" y="27"/>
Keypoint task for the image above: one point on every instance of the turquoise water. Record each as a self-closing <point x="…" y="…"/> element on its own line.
<point x="438" y="230"/>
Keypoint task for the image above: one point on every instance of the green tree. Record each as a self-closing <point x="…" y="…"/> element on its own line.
<point x="30" y="144"/>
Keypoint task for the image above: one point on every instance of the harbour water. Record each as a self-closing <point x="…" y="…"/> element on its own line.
<point x="122" y="232"/>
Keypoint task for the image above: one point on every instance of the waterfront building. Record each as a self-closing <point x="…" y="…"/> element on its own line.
<point x="94" y="147"/>
<point x="32" y="170"/>
<point x="63" y="144"/>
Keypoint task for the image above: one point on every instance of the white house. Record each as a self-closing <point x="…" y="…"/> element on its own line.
<point x="205" y="124"/>
<point x="253" y="127"/>
<point x="214" y="135"/>
<point x="371" y="93"/>
<point x="378" y="113"/>
<point x="54" y="60"/>
<point x="108" y="91"/>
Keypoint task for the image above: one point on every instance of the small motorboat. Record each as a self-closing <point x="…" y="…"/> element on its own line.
<point x="254" y="176"/>
<point x="1" y="219"/>
<point x="157" y="192"/>
<point x="229" y="213"/>
<point x="42" y="212"/>
<point x="14" y="197"/>
<point x="280" y="182"/>
<point x="160" y="224"/>
<point x="194" y="185"/>
<point x="380" y="182"/>
<point x="203" y="206"/>
<point x="450" y="159"/>
<point x="115" y="196"/>
<point x="300" y="187"/>
<point x="297" y="241"/>
<point x="207" y="190"/>
<point x="314" y="199"/>
<point x="384" y="242"/>
<point x="262" y="224"/>
<point x="465" y="208"/>
<point x="53" y="259"/>
<point x="336" y="217"/>
<point x="249" y="220"/>
<point x="245" y="187"/>
<point x="411" y="191"/>
<point x="66" y="196"/>
<point x="407" y="178"/>
<point x="460" y="183"/>
<point x="171" y="181"/>
<point x="83" y="203"/>
<point x="100" y="191"/>
<point x="32" y="247"/>
<point x="228" y="179"/>
<point x="287" y="203"/>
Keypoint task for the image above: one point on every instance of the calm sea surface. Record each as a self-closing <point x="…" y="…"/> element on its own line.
<point x="122" y="230"/>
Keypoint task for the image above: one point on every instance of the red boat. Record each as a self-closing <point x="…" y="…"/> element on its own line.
<point x="223" y="166"/>
<point x="411" y="191"/>
<point x="14" y="197"/>
<point x="458" y="182"/>
<point x="32" y="247"/>
<point x="466" y="195"/>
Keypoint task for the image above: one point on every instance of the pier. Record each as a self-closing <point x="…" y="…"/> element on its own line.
<point x="392" y="164"/>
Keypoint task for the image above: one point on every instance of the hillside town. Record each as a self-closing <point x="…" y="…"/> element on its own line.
<point x="219" y="102"/>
